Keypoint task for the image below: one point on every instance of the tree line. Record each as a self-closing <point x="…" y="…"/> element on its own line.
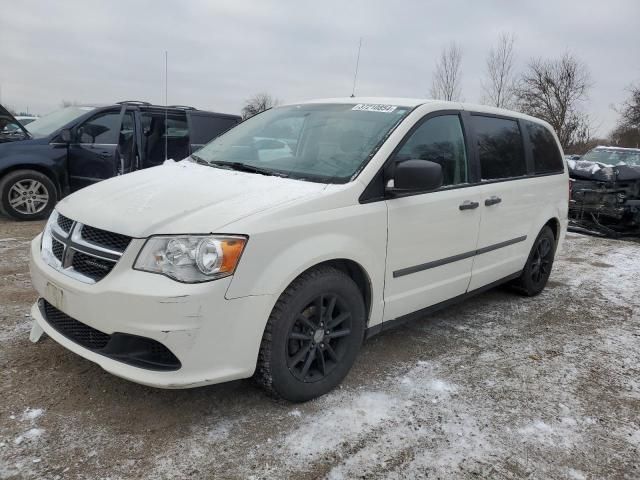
<point x="553" y="89"/>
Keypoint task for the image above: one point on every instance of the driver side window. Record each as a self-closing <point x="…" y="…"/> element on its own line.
<point x="440" y="140"/>
<point x="101" y="129"/>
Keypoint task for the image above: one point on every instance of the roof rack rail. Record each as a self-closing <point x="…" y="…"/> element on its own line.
<point x="183" y="107"/>
<point x="135" y="102"/>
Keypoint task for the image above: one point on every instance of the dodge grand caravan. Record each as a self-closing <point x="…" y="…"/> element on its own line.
<point x="278" y="247"/>
<point x="79" y="145"/>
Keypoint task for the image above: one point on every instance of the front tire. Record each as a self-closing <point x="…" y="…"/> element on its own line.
<point x="537" y="270"/>
<point x="27" y="195"/>
<point x="313" y="336"/>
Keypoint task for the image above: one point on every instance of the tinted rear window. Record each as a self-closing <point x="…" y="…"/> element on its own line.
<point x="205" y="128"/>
<point x="546" y="156"/>
<point x="499" y="147"/>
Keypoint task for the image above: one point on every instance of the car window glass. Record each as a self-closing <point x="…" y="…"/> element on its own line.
<point x="440" y="140"/>
<point x="165" y="136"/>
<point x="499" y="147"/>
<point x="315" y="142"/>
<point x="205" y="128"/>
<point x="103" y="129"/>
<point x="546" y="156"/>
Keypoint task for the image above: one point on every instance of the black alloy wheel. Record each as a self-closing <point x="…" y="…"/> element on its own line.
<point x="313" y="335"/>
<point x="317" y="338"/>
<point x="537" y="270"/>
<point x="542" y="260"/>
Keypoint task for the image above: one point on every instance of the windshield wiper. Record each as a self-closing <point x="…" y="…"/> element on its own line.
<point x="245" y="167"/>
<point x="199" y="160"/>
<point x="239" y="166"/>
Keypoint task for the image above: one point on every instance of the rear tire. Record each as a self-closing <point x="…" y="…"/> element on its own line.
<point x="536" y="271"/>
<point x="312" y="337"/>
<point x="27" y="195"/>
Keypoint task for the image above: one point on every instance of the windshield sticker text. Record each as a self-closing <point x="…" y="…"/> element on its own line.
<point x="364" y="107"/>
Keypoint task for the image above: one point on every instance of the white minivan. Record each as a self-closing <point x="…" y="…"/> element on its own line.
<point x="277" y="248"/>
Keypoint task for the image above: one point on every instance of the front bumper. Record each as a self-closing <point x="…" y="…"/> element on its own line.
<point x="214" y="339"/>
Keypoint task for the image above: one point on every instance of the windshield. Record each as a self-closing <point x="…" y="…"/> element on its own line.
<point x="613" y="156"/>
<point x="317" y="142"/>
<point x="45" y="126"/>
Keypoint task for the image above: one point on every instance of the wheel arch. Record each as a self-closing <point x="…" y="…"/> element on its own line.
<point x="554" y="224"/>
<point x="349" y="267"/>
<point x="357" y="273"/>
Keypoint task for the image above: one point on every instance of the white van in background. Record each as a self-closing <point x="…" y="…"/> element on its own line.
<point x="238" y="261"/>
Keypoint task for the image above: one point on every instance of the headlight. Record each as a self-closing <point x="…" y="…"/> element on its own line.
<point x="191" y="258"/>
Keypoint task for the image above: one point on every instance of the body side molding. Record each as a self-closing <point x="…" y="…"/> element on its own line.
<point x="443" y="261"/>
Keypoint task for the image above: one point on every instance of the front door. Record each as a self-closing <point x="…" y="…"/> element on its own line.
<point x="103" y="146"/>
<point x="432" y="236"/>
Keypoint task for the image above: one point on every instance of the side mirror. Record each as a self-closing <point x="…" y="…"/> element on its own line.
<point x="416" y="176"/>
<point x="65" y="135"/>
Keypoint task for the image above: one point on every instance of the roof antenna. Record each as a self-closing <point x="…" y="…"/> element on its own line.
<point x="355" y="76"/>
<point x="166" y="107"/>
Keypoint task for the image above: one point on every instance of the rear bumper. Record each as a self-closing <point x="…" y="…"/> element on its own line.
<point x="214" y="339"/>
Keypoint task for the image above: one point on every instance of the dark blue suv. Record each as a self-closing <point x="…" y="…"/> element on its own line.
<point x="76" y="146"/>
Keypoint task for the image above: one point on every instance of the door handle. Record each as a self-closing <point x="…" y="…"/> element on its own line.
<point x="468" y="205"/>
<point x="104" y="154"/>
<point x="493" y="200"/>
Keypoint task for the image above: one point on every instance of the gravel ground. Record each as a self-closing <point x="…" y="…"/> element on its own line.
<point x="497" y="387"/>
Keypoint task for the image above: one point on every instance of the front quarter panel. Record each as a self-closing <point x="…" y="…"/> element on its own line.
<point x="36" y="154"/>
<point x="284" y="244"/>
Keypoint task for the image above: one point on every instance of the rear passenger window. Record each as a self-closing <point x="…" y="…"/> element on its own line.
<point x="205" y="128"/>
<point x="546" y="156"/>
<point x="499" y="147"/>
<point x="439" y="140"/>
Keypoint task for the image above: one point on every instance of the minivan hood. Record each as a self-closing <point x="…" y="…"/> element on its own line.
<point x="178" y="198"/>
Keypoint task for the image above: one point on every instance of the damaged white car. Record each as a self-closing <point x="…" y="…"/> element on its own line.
<point x="276" y="249"/>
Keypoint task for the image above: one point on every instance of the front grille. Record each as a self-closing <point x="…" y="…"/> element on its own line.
<point x="74" y="330"/>
<point x="83" y="252"/>
<point x="102" y="238"/>
<point x="130" y="349"/>
<point x="57" y="248"/>
<point x="65" y="223"/>
<point x="90" y="266"/>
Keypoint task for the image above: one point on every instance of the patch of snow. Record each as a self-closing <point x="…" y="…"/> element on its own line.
<point x="576" y="474"/>
<point x="31" y="414"/>
<point x="31" y="434"/>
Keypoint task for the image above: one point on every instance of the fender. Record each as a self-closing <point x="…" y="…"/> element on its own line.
<point x="357" y="233"/>
<point x="45" y="158"/>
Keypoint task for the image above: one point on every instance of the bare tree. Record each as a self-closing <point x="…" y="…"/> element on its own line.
<point x="627" y="131"/>
<point x="446" y="78"/>
<point x="554" y="90"/>
<point x="257" y="104"/>
<point x="500" y="85"/>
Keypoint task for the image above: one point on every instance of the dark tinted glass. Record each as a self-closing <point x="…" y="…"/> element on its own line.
<point x="500" y="147"/>
<point x="546" y="156"/>
<point x="439" y="140"/>
<point x="205" y="128"/>
<point x="103" y="129"/>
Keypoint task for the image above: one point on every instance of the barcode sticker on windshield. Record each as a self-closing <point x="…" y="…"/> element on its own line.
<point x="368" y="107"/>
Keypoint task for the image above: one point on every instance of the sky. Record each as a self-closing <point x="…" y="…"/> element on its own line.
<point x="222" y="52"/>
